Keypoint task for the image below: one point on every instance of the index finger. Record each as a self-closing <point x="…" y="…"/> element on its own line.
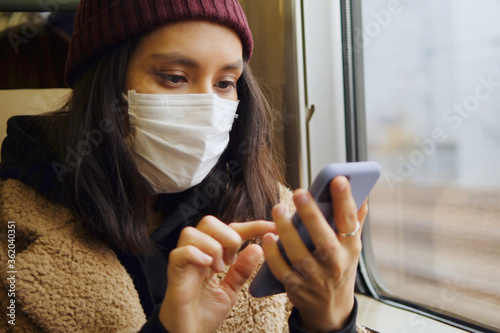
<point x="344" y="207"/>
<point x="249" y="230"/>
<point x="228" y="239"/>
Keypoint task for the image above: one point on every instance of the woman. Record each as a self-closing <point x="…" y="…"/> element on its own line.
<point x="140" y="175"/>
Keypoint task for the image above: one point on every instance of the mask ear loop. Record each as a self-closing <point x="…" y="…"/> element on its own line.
<point x="236" y="115"/>
<point x="130" y="128"/>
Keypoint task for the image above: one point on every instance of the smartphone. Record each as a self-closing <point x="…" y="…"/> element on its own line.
<point x="362" y="177"/>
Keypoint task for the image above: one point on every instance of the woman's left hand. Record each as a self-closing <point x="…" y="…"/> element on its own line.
<point x="321" y="283"/>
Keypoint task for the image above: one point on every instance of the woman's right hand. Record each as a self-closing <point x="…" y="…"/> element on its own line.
<point x="195" y="300"/>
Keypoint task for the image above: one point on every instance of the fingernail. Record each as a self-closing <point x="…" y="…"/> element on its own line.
<point x="279" y="211"/>
<point x="221" y="265"/>
<point x="301" y="197"/>
<point x="206" y="258"/>
<point x="268" y="239"/>
<point x="342" y="183"/>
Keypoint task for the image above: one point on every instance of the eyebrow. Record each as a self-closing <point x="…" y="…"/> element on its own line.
<point x="181" y="59"/>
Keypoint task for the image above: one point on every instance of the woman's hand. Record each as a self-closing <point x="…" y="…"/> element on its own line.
<point x="195" y="300"/>
<point x="320" y="284"/>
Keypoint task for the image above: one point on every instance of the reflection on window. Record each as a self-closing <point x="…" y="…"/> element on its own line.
<point x="432" y="84"/>
<point x="33" y="49"/>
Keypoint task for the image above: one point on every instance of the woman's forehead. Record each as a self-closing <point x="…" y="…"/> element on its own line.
<point x="192" y="40"/>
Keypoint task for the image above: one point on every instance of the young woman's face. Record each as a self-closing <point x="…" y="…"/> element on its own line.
<point x="191" y="57"/>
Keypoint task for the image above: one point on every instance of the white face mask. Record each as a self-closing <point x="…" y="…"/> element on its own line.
<point x="177" y="139"/>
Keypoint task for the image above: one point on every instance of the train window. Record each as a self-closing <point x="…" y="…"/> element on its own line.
<point x="34" y="33"/>
<point x="432" y="96"/>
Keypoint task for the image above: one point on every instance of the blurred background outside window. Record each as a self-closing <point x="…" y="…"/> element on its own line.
<point x="432" y="85"/>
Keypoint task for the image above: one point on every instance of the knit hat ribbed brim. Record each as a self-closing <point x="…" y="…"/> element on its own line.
<point x="102" y="24"/>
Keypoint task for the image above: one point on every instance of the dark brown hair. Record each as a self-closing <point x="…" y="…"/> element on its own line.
<point x="98" y="169"/>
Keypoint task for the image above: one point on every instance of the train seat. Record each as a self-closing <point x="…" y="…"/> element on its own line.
<point x="28" y="102"/>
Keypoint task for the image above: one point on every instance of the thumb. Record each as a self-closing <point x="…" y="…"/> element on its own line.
<point x="241" y="271"/>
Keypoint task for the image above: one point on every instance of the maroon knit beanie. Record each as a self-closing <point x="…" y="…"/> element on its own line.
<point x="102" y="24"/>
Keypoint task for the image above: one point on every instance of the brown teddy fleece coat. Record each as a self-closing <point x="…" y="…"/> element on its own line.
<point x="65" y="281"/>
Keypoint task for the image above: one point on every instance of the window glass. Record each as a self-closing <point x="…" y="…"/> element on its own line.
<point x="432" y="85"/>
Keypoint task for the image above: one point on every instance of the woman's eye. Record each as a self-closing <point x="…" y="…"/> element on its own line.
<point x="171" y="78"/>
<point x="226" y="85"/>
